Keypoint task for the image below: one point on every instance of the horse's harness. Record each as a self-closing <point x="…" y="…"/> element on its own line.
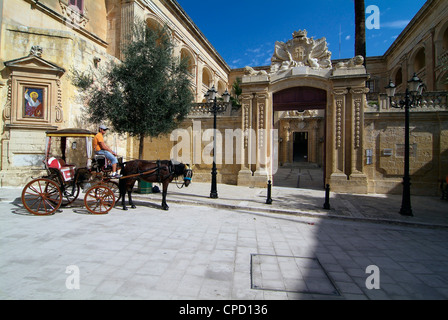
<point x="157" y="171"/>
<point x="187" y="177"/>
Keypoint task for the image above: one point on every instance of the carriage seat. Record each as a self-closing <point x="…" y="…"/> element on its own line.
<point x="100" y="160"/>
<point x="67" y="170"/>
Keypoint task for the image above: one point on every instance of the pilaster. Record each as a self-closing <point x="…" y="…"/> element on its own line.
<point x="337" y="136"/>
<point x="127" y="21"/>
<point x="358" y="96"/>
<point x="261" y="100"/>
<point x="245" y="174"/>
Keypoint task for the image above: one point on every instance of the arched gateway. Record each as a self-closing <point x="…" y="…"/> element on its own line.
<point x="303" y="96"/>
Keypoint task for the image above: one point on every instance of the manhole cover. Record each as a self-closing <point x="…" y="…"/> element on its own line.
<point x="290" y="274"/>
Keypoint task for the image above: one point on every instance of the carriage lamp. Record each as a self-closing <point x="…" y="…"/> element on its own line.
<point x="413" y="95"/>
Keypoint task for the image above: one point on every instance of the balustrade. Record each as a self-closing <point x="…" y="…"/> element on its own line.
<point x="205" y="109"/>
<point x="430" y="101"/>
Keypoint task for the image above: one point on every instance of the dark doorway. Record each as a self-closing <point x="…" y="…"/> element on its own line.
<point x="301" y="99"/>
<point x="300" y="153"/>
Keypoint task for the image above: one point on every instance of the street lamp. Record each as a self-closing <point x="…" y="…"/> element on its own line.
<point x="412" y="96"/>
<point x="211" y="96"/>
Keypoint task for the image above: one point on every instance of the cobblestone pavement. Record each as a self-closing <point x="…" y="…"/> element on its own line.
<point x="233" y="248"/>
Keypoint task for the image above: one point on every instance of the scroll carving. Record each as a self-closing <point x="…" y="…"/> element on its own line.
<point x="261" y="124"/>
<point x="7" y="110"/>
<point x="301" y="51"/>
<point x="339" y="104"/>
<point x="357" y="123"/>
<point x="245" y="113"/>
<point x="59" y="117"/>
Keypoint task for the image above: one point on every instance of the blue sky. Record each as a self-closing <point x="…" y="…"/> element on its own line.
<point x="244" y="32"/>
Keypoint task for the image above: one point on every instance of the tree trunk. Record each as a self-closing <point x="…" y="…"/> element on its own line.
<point x="360" y="29"/>
<point x="140" y="147"/>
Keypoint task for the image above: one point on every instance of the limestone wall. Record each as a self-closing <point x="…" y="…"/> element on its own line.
<point x="192" y="143"/>
<point x="80" y="38"/>
<point x="384" y="135"/>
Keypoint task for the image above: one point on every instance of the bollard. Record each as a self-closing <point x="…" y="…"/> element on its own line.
<point x="327" y="197"/>
<point x="269" y="199"/>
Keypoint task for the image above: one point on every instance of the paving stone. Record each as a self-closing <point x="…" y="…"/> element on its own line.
<point x="203" y="250"/>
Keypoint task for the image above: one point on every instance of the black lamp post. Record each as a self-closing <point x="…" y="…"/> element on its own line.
<point x="412" y="96"/>
<point x="211" y="96"/>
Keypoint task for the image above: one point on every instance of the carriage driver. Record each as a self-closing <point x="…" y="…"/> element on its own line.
<point x="102" y="149"/>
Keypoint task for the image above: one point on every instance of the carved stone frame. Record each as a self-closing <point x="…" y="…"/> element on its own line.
<point x="35" y="72"/>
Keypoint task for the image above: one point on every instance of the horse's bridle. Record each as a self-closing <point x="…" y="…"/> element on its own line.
<point x="188" y="174"/>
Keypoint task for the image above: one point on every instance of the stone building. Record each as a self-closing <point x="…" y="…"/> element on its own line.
<point x="41" y="41"/>
<point x="337" y="115"/>
<point x="422" y="48"/>
<point x="304" y="107"/>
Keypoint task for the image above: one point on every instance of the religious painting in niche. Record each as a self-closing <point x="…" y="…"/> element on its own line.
<point x="33" y="103"/>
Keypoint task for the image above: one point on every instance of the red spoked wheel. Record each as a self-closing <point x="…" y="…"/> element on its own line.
<point x="42" y="197"/>
<point x="112" y="185"/>
<point x="99" y="199"/>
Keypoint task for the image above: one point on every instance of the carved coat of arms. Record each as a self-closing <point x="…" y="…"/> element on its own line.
<point x="301" y="51"/>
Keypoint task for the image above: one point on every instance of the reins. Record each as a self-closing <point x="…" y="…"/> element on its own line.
<point x="183" y="183"/>
<point x="186" y="178"/>
<point x="154" y="171"/>
<point x="160" y="178"/>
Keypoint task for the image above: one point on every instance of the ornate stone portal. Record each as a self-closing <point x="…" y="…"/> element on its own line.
<point x="34" y="106"/>
<point x="302" y="67"/>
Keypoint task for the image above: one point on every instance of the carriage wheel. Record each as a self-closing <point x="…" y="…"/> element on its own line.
<point x="99" y="199"/>
<point x="42" y="197"/>
<point x="112" y="185"/>
<point x="68" y="197"/>
<point x="66" y="189"/>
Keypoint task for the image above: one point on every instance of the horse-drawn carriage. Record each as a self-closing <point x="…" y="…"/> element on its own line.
<point x="62" y="183"/>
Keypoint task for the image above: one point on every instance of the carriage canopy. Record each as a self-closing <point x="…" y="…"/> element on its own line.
<point x="70" y="133"/>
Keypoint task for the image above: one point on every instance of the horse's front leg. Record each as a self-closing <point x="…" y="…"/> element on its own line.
<point x="165" y="189"/>
<point x="122" y="188"/>
<point x="131" y="203"/>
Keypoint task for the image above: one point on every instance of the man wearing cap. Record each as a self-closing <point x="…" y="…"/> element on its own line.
<point x="101" y="148"/>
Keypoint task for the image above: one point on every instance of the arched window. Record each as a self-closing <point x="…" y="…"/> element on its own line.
<point x="185" y="54"/>
<point x="419" y="60"/>
<point x="206" y="78"/>
<point x="221" y="87"/>
<point x="153" y="24"/>
<point x="445" y="40"/>
<point x="398" y="77"/>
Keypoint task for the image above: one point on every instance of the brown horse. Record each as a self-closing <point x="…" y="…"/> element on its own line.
<point x="161" y="171"/>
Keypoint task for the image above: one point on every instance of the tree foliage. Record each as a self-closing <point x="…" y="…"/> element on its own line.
<point x="237" y="91"/>
<point x="147" y="94"/>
